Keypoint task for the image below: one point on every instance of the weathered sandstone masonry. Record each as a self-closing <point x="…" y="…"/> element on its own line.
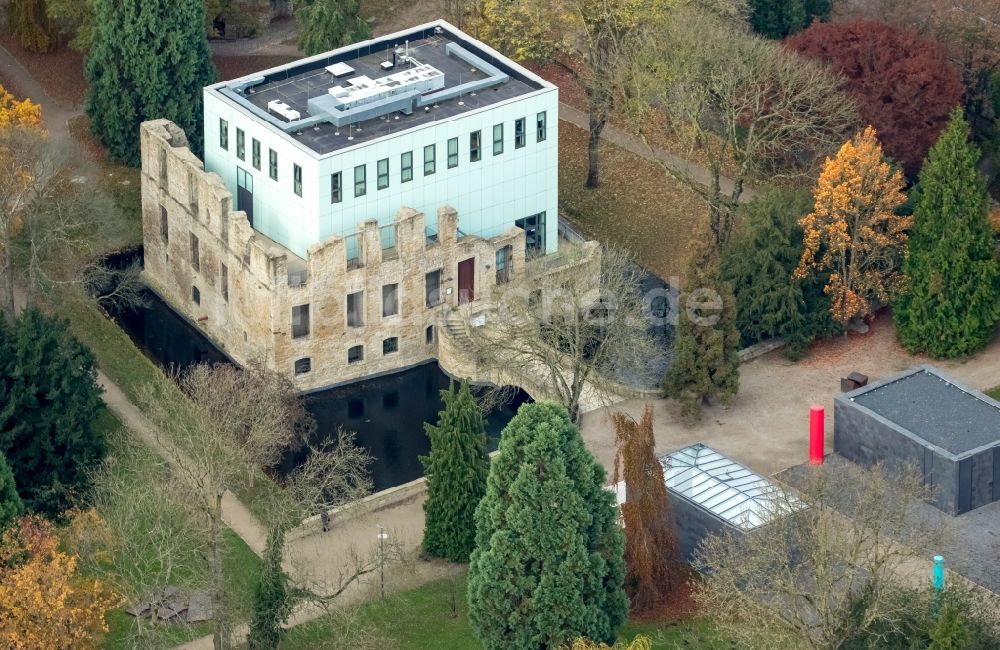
<point x="352" y="308"/>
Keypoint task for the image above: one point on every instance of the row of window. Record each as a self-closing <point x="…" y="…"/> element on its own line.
<point x="196" y="260"/>
<point x="272" y="155"/>
<point x="356" y="304"/>
<point x="356" y="353"/>
<point x="382" y="166"/>
<point x="430" y="158"/>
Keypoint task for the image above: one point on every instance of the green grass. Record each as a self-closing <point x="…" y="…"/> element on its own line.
<point x="994" y="392"/>
<point x="435" y="616"/>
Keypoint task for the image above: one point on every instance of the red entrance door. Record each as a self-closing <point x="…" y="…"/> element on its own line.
<point x="466" y="280"/>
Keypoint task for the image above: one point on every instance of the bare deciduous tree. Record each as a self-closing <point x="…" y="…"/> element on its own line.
<point x="812" y="576"/>
<point x="744" y="102"/>
<point x="582" y="329"/>
<point x="53" y="229"/>
<point x="234" y="423"/>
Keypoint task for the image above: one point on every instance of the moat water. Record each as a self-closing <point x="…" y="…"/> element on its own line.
<point x="386" y="413"/>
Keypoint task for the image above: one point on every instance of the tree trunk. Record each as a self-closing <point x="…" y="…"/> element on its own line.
<point x="220" y="639"/>
<point x="596" y="127"/>
<point x="7" y="296"/>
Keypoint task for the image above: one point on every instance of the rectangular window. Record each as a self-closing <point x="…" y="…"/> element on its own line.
<point x="390" y="300"/>
<point x="303" y="365"/>
<point x="300" y="321"/>
<point x="406" y="167"/>
<point x="382" y="179"/>
<point x="359" y="180"/>
<point x="193" y="192"/>
<point x="432" y="283"/>
<point x="161" y="156"/>
<point x="430" y="151"/>
<point x="503" y="264"/>
<point x="452" y="153"/>
<point x="272" y="163"/>
<point x="164" y="225"/>
<point x="387" y="237"/>
<point x="540" y="127"/>
<point x="195" y="254"/>
<point x="520" y="137"/>
<point x="352" y="245"/>
<point x="497" y="139"/>
<point x="475" y="146"/>
<point x="255" y="153"/>
<point x="429" y="334"/>
<point x="356" y="309"/>
<point x="297" y="180"/>
<point x="224" y="281"/>
<point x="534" y="234"/>
<point x="355" y="354"/>
<point x="241" y="147"/>
<point x="195" y="295"/>
<point x="390" y="345"/>
<point x="224" y="134"/>
<point x="336" y="188"/>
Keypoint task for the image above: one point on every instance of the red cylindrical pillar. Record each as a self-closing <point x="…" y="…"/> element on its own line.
<point x="816" y="423"/>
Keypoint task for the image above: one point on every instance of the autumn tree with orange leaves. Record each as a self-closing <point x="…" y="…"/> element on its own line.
<point x="652" y="572"/>
<point x="43" y="604"/>
<point x="853" y="231"/>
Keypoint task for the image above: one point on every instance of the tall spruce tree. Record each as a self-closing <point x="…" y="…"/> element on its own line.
<point x="706" y="363"/>
<point x="953" y="303"/>
<point x="149" y="60"/>
<point x="456" y="471"/>
<point x="49" y="399"/>
<point x="548" y="565"/>
<point x="11" y="506"/>
<point x="758" y="263"/>
<point x="779" y="18"/>
<point x="328" y="24"/>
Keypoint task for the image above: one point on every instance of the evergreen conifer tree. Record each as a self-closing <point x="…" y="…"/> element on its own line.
<point x="49" y="399"/>
<point x="759" y="262"/>
<point x="149" y="60"/>
<point x="779" y="18"/>
<point x="548" y="565"/>
<point x="950" y="632"/>
<point x="271" y="604"/>
<point x="706" y="362"/>
<point x="456" y="471"/>
<point x="10" y="503"/>
<point x="328" y="24"/>
<point x="953" y="303"/>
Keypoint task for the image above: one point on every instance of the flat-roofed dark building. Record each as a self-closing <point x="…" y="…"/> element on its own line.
<point x="949" y="432"/>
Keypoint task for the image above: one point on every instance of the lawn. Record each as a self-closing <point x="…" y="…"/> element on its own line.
<point x="637" y="205"/>
<point x="435" y="616"/>
<point x="994" y="392"/>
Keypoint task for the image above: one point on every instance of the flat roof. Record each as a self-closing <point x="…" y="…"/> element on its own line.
<point x="934" y="408"/>
<point x="474" y="77"/>
<point x="725" y="488"/>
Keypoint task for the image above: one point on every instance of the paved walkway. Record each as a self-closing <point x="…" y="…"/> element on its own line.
<point x="55" y="115"/>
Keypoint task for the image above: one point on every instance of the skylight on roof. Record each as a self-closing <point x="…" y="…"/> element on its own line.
<point x="725" y="488"/>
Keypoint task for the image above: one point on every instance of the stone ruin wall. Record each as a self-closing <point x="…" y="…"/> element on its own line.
<point x="255" y="323"/>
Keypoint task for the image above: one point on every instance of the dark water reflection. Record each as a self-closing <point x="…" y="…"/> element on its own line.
<point x="386" y="413"/>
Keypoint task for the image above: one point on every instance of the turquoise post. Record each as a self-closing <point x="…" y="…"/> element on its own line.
<point x="938" y="573"/>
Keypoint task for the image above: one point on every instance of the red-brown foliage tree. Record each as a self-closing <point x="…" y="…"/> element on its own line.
<point x="652" y="570"/>
<point x="903" y="85"/>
